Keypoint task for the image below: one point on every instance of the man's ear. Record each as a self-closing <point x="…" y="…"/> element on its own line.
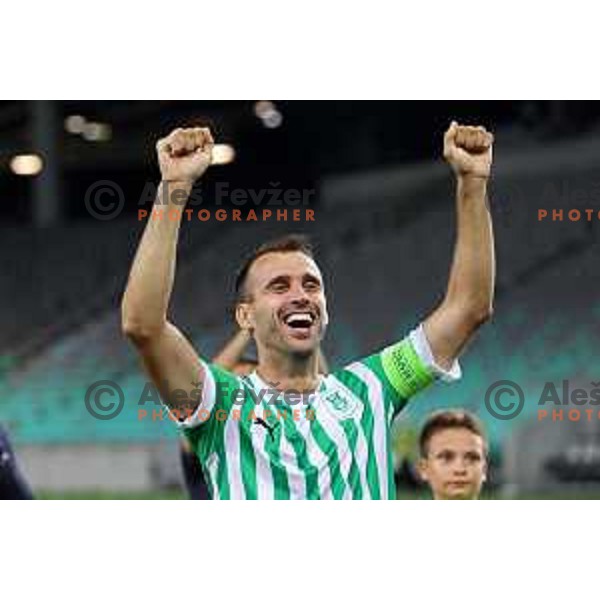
<point x="422" y="469"/>
<point x="243" y="315"/>
<point x="325" y="317"/>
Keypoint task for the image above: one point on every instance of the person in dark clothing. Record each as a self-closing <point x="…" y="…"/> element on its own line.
<point x="13" y="485"/>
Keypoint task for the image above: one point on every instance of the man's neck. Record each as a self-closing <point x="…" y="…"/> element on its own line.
<point x="290" y="372"/>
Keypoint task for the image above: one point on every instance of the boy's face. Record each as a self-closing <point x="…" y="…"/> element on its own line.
<point x="455" y="465"/>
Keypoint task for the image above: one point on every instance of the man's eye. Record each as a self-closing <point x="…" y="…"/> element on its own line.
<point x="311" y="285"/>
<point x="278" y="287"/>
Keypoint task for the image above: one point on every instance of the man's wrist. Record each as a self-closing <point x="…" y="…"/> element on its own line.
<point x="177" y="183"/>
<point x="472" y="177"/>
<point x="471" y="186"/>
<point x="472" y="182"/>
<point x="175" y="191"/>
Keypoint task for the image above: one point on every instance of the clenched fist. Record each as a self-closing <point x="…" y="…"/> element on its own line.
<point x="468" y="150"/>
<point x="185" y="154"/>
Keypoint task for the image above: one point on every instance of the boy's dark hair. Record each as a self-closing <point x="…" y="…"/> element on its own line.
<point x="449" y="419"/>
<point x="287" y="243"/>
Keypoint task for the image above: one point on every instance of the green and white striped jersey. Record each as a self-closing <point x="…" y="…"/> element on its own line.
<point x="333" y="443"/>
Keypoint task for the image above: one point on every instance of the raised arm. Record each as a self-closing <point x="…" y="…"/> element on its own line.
<point x="468" y="302"/>
<point x="167" y="355"/>
<point x="233" y="352"/>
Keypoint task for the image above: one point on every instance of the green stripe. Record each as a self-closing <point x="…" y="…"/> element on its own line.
<point x="393" y="403"/>
<point x="354" y="476"/>
<point x="366" y="423"/>
<point x="222" y="479"/>
<point x="311" y="474"/>
<point x="390" y="398"/>
<point x="391" y="410"/>
<point x="218" y="428"/>
<point x="247" y="456"/>
<point x="392" y="493"/>
<point x="280" y="479"/>
<point x="360" y="389"/>
<point x="328" y="447"/>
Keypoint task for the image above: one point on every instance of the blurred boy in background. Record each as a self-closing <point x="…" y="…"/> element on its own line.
<point x="454" y="453"/>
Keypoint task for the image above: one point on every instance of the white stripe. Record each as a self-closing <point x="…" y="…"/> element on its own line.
<point x="234" y="467"/>
<point x="287" y="455"/>
<point x="362" y="449"/>
<point x="207" y="401"/>
<point x="295" y="475"/>
<point x="336" y="433"/>
<point x="212" y="466"/>
<point x="316" y="457"/>
<point x="321" y="461"/>
<point x="380" y="429"/>
<point x="362" y="455"/>
<point x="265" y="488"/>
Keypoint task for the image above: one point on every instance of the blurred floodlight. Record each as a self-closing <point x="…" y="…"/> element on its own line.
<point x="26" y="164"/>
<point x="222" y="154"/>
<point x="97" y="132"/>
<point x="267" y="112"/>
<point x="263" y="107"/>
<point x="75" y="124"/>
<point x="272" y="119"/>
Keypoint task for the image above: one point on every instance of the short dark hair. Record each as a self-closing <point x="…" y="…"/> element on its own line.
<point x="449" y="419"/>
<point x="287" y="243"/>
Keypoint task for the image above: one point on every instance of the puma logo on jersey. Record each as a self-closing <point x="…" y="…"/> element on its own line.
<point x="269" y="428"/>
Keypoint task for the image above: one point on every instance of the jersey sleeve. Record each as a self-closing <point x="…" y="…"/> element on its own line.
<point x="407" y="367"/>
<point x="217" y="390"/>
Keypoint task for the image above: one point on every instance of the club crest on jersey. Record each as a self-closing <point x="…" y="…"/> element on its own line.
<point x="342" y="406"/>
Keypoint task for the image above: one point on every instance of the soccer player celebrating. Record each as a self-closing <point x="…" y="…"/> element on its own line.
<point x="335" y="443"/>
<point x="453" y="452"/>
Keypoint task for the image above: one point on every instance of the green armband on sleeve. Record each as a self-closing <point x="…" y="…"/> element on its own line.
<point x="404" y="369"/>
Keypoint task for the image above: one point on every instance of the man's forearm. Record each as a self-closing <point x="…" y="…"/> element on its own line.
<point x="471" y="283"/>
<point x="233" y="352"/>
<point x="148" y="292"/>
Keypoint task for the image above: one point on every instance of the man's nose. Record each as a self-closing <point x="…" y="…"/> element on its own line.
<point x="299" y="295"/>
